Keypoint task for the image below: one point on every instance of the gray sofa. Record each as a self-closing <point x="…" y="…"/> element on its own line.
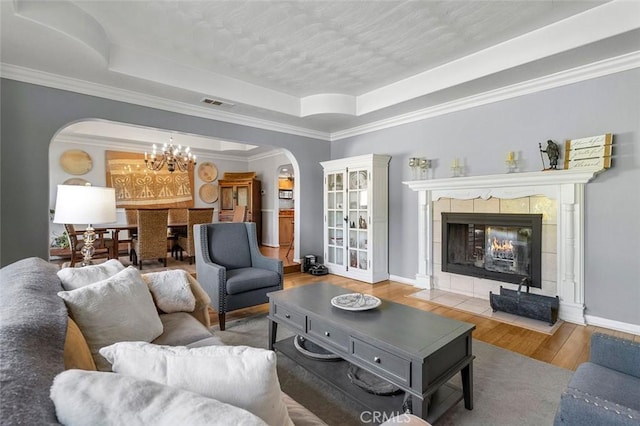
<point x="35" y="335"/>
<point x="605" y="390"/>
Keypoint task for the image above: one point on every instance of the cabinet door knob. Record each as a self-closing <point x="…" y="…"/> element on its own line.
<point x="326" y="333"/>
<point x="376" y="359"/>
<point x="287" y="316"/>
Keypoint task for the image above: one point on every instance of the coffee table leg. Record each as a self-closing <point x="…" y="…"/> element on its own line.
<point x="419" y="407"/>
<point x="467" y="385"/>
<point x="273" y="330"/>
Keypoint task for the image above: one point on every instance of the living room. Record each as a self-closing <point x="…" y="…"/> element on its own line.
<point x="512" y="110"/>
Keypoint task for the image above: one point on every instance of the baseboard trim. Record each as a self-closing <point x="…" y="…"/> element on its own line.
<point x="613" y="325"/>
<point x="403" y="280"/>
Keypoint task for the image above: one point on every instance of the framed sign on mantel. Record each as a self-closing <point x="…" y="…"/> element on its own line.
<point x="593" y="152"/>
<point x="138" y="187"/>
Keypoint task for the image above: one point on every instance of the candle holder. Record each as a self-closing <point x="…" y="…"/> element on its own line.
<point x="424" y="165"/>
<point x="419" y="167"/>
<point x="456" y="169"/>
<point x="511" y="162"/>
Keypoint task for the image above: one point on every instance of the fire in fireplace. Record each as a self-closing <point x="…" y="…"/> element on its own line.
<point x="501" y="247"/>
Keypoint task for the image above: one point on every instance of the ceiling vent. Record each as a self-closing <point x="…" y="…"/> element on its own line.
<point x="215" y="102"/>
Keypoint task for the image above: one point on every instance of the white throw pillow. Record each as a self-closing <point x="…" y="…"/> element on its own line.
<point x="117" y="309"/>
<point x="96" y="398"/>
<point x="171" y="290"/>
<point x="242" y="376"/>
<point x="73" y="278"/>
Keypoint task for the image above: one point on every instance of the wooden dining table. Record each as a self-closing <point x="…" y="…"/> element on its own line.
<point x="116" y="229"/>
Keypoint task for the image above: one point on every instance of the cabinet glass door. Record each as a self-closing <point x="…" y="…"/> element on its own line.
<point x="335" y="218"/>
<point x="358" y="219"/>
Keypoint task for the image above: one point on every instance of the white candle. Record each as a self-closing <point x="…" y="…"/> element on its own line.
<point x="510" y="156"/>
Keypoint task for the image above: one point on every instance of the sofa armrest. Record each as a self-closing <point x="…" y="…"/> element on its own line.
<point x="618" y="354"/>
<point x="579" y="409"/>
<point x="201" y="311"/>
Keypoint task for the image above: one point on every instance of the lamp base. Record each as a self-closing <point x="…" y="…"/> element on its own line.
<point x="88" y="249"/>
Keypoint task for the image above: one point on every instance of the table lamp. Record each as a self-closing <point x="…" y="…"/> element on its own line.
<point x="85" y="204"/>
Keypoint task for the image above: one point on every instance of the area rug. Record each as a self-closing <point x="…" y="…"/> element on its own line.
<point x="509" y="389"/>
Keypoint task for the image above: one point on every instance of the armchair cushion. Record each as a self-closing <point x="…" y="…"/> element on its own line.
<point x="92" y="398"/>
<point x="230" y="246"/>
<point x="246" y="279"/>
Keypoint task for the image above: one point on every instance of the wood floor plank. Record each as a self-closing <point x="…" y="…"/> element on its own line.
<point x="567" y="347"/>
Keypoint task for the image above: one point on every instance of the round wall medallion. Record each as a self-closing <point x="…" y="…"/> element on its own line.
<point x="76" y="162"/>
<point x="207" y="171"/>
<point x="209" y="193"/>
<point x="76" y="181"/>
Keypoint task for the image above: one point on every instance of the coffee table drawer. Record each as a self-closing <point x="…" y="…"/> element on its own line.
<point x="289" y="317"/>
<point x="382" y="362"/>
<point x="327" y="333"/>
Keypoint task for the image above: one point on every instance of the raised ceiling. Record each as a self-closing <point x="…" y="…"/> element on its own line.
<point x="322" y="68"/>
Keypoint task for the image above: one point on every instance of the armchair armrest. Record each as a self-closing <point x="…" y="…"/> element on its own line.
<point x="615" y="353"/>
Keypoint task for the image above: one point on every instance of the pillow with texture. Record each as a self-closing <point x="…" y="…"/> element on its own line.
<point x="171" y="290"/>
<point x="73" y="278"/>
<point x="118" y="309"/>
<point x="242" y="376"/>
<point x="96" y="398"/>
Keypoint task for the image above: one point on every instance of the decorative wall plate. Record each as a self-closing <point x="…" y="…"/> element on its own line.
<point x="207" y="171"/>
<point x="75" y="181"/>
<point x="356" y="302"/>
<point x="208" y="193"/>
<point x="76" y="162"/>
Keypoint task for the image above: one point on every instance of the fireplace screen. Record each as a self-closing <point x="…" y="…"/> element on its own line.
<point x="503" y="247"/>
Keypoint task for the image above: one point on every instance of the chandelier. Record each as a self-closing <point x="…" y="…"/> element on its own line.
<point x="171" y="155"/>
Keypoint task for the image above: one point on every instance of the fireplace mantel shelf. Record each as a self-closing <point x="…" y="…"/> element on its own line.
<point x="564" y="186"/>
<point x="506" y="180"/>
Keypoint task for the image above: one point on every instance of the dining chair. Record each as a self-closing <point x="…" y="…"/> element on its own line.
<point x="177" y="229"/>
<point x="239" y="214"/>
<point x="194" y="217"/>
<point x="131" y="216"/>
<point x="103" y="246"/>
<point x="151" y="240"/>
<point x="231" y="269"/>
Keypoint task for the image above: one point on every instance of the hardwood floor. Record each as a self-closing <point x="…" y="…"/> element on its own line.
<point x="566" y="348"/>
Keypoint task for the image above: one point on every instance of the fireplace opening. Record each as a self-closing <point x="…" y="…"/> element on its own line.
<point x="501" y="247"/>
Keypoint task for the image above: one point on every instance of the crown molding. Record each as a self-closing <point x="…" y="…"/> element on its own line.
<point x="28" y="75"/>
<point x="575" y="75"/>
<point x="131" y="145"/>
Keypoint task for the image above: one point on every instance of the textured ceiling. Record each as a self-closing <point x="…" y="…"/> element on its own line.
<point x="324" y="66"/>
<point x="305" y="48"/>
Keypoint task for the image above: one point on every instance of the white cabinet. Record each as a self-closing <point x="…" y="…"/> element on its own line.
<point x="356" y="217"/>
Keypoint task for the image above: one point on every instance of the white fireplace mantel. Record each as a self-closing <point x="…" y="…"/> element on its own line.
<point x="564" y="186"/>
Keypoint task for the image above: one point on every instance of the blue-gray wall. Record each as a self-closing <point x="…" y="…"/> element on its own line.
<point x="483" y="136"/>
<point x="30" y="117"/>
<point x="480" y="136"/>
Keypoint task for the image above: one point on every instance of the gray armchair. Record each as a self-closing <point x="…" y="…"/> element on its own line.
<point x="231" y="268"/>
<point x="605" y="390"/>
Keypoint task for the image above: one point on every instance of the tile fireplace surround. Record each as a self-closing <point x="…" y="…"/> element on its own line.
<point x="559" y="193"/>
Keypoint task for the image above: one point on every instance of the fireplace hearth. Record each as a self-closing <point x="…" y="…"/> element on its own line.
<point x="501" y="247"/>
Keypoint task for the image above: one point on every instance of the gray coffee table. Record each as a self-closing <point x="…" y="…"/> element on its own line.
<point x="413" y="349"/>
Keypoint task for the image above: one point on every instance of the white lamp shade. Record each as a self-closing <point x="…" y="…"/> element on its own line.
<point x="77" y="204"/>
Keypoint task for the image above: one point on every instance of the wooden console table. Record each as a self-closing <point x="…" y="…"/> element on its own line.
<point x="413" y="349"/>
